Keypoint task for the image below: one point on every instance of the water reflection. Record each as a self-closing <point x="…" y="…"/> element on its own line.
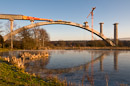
<point x="83" y="67"/>
<point x="116" y="60"/>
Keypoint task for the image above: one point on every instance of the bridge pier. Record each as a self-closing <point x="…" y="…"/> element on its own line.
<point x="32" y="21"/>
<point x="116" y="33"/>
<point x="11" y="30"/>
<point x="101" y="28"/>
<point x="86" y="24"/>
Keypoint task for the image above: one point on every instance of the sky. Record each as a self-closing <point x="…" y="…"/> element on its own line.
<point x="107" y="11"/>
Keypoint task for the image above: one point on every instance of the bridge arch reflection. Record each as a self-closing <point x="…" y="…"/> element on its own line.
<point x="84" y="67"/>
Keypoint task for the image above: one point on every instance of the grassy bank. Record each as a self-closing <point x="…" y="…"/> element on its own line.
<point x="76" y="48"/>
<point x="7" y="49"/>
<point x="90" y="48"/>
<point x="10" y="75"/>
<point x="4" y="49"/>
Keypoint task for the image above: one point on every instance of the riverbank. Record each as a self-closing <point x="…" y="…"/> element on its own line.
<point x="10" y="75"/>
<point x="90" y="48"/>
<point x="74" y="48"/>
<point x="7" y="49"/>
<point x="4" y="49"/>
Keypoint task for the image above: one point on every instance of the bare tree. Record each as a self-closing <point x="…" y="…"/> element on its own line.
<point x="7" y="27"/>
<point x="26" y="39"/>
<point x="44" y="37"/>
<point x="1" y="28"/>
<point x="41" y="36"/>
<point x="35" y="35"/>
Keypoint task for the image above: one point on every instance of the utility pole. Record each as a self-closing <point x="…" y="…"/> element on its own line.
<point x="91" y="13"/>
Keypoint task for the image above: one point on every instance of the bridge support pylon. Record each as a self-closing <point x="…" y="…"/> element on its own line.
<point x="86" y="24"/>
<point x="116" y="33"/>
<point x="101" y="28"/>
<point x="11" y="30"/>
<point x="32" y="21"/>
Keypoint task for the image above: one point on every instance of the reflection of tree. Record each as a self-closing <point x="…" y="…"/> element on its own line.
<point x="36" y="66"/>
<point x="62" y="51"/>
<point x="28" y="59"/>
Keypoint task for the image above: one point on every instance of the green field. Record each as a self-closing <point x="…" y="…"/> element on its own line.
<point x="10" y="75"/>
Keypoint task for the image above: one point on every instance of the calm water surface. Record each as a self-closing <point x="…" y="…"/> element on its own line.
<point x="82" y="65"/>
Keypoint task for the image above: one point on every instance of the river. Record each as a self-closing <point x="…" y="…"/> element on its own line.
<point x="98" y="67"/>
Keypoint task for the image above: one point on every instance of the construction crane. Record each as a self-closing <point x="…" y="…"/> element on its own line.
<point x="92" y="80"/>
<point x="91" y="13"/>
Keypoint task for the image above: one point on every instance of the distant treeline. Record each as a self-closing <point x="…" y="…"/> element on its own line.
<point x="53" y="44"/>
<point x="94" y="43"/>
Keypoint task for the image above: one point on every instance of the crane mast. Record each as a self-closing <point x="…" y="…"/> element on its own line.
<point x="91" y="13"/>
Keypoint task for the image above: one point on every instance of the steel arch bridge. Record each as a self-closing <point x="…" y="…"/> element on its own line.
<point x="85" y="27"/>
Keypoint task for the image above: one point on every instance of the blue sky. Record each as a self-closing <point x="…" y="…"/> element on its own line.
<point x="107" y="11"/>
